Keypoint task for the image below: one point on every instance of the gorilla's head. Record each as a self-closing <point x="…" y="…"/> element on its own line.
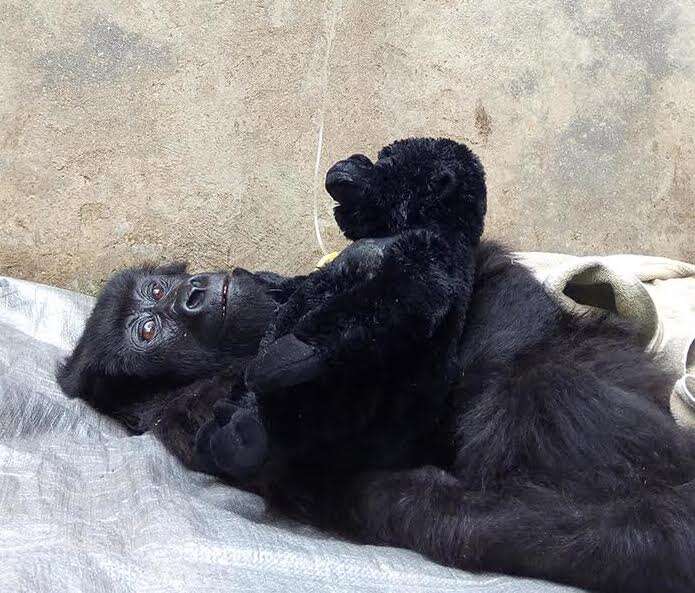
<point x="414" y="183"/>
<point x="156" y="327"/>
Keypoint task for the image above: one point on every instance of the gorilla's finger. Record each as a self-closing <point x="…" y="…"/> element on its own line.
<point x="285" y="362"/>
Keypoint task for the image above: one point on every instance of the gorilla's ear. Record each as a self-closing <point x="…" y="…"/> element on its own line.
<point x="284" y="363"/>
<point x="77" y="379"/>
<point x="94" y="388"/>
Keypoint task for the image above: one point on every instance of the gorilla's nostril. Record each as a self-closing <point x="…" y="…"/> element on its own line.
<point x="195" y="299"/>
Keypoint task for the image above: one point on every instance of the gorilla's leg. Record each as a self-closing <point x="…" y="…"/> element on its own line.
<point x="640" y="544"/>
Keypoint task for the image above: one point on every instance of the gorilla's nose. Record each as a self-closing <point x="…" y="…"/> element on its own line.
<point x="191" y="294"/>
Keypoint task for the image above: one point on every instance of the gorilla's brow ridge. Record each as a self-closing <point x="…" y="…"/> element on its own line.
<point x="121" y="294"/>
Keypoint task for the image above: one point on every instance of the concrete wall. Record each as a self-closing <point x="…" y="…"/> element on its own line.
<point x="168" y="129"/>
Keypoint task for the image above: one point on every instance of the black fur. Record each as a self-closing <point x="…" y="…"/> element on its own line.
<point x="565" y="462"/>
<point x="555" y="454"/>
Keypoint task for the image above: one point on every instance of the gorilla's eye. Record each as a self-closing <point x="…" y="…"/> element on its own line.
<point x="157" y="292"/>
<point x="148" y="330"/>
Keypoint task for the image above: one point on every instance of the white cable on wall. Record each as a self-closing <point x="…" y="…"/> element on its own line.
<point x="330" y="35"/>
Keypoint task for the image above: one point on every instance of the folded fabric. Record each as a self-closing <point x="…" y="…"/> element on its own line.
<point x="655" y="293"/>
<point x="683" y="397"/>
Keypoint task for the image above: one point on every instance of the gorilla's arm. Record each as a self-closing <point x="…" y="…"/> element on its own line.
<point x="390" y="293"/>
<point x="378" y="328"/>
<point x="422" y="280"/>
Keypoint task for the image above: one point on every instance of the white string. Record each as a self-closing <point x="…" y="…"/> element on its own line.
<point x="317" y="228"/>
<point x="322" y="112"/>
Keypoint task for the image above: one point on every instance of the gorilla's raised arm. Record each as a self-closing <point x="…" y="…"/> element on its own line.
<point x="356" y="367"/>
<point x="378" y="327"/>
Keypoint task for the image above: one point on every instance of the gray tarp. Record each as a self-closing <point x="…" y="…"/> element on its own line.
<point x="85" y="507"/>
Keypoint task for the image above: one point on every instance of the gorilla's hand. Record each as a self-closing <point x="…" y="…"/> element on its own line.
<point x="234" y="443"/>
<point x="285" y="362"/>
<point x="416" y="183"/>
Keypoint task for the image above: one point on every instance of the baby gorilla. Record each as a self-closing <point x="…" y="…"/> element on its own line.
<point x="371" y="337"/>
<point x="355" y="369"/>
<point x="557" y="457"/>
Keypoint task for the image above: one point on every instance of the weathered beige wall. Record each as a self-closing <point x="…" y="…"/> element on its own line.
<point x="168" y="129"/>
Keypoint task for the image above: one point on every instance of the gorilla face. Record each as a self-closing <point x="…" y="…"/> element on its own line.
<point x="155" y="327"/>
<point x="186" y="312"/>
<point x="191" y="323"/>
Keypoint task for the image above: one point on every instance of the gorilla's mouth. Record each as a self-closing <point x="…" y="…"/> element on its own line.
<point x="225" y="290"/>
